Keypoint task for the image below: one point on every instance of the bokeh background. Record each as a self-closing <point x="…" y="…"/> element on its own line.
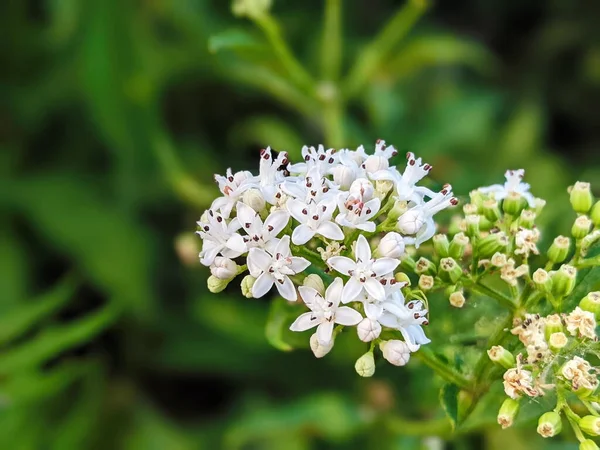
<point x="114" y="114"/>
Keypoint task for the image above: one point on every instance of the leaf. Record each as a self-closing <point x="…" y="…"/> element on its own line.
<point x="234" y="39"/>
<point x="277" y="322"/>
<point x="449" y="400"/>
<point x="18" y="321"/>
<point x="14" y="276"/>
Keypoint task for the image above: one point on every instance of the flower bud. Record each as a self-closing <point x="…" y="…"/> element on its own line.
<point x="581" y="227"/>
<point x="400" y="207"/>
<point x="368" y="329"/>
<point x="470" y="208"/>
<point x="595" y="214"/>
<point x="247" y="283"/>
<point x="411" y="221"/>
<point x="365" y="365"/>
<point x="254" y="199"/>
<point x="542" y="280"/>
<point x="472" y="221"/>
<point x="563" y="280"/>
<point x="425" y="267"/>
<point x="457" y="299"/>
<point x="581" y="197"/>
<point x="395" y="352"/>
<point x="559" y="250"/>
<point x="498" y="259"/>
<point x="375" y="163"/>
<point x="590" y="425"/>
<point x="450" y="270"/>
<point x="514" y="203"/>
<point x="491" y="210"/>
<point x="391" y="246"/>
<point x="540" y="204"/>
<point x="527" y="218"/>
<point x="382" y="187"/>
<point x="549" y="424"/>
<point x="401" y="277"/>
<point x="426" y="282"/>
<point x="591" y="303"/>
<point x="485" y="224"/>
<point x="589" y="240"/>
<point x="458" y="246"/>
<point x="588" y="444"/>
<point x="500" y="355"/>
<point x="496" y="242"/>
<point x="216" y="285"/>
<point x="250" y="8"/>
<point x="224" y="268"/>
<point x="363" y="188"/>
<point x="441" y="245"/>
<point x="507" y="413"/>
<point x="476" y="197"/>
<point x="344" y="176"/>
<point x="552" y="324"/>
<point x="314" y="281"/>
<point x="557" y="341"/>
<point x="318" y="348"/>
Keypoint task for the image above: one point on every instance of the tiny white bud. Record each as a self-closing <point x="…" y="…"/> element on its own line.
<point x="368" y="330"/>
<point x="391" y="245"/>
<point x="396" y="352"/>
<point x="344" y="176"/>
<point x="318" y="348"/>
<point x="224" y="268"/>
<point x="375" y="163"/>
<point x="254" y="199"/>
<point x="316" y="282"/>
<point x="382" y="187"/>
<point x="247" y="283"/>
<point x="363" y="188"/>
<point x="411" y="221"/>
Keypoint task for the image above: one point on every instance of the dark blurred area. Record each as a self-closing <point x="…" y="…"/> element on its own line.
<point x="114" y="116"/>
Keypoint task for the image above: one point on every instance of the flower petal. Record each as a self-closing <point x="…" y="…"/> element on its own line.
<point x="302" y="234"/>
<point x="384" y="266"/>
<point x="237" y="244"/>
<point x="373" y="206"/>
<point x="331" y="231"/>
<point x="352" y="289"/>
<point x="283" y="246"/>
<point x="286" y="289"/>
<point x="362" y="251"/>
<point x="299" y="264"/>
<point x="295" y="208"/>
<point x="262" y="285"/>
<point x="347" y="316"/>
<point x="245" y="214"/>
<point x="369" y="227"/>
<point x="333" y="293"/>
<point x="259" y="261"/>
<point x="276" y="222"/>
<point x="309" y="296"/>
<point x="325" y="332"/>
<point x="304" y="322"/>
<point x="374" y="288"/>
<point x="388" y="320"/>
<point x="373" y="310"/>
<point x="341" y="264"/>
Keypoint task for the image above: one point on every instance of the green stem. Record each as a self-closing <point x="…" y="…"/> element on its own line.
<point x="331" y="47"/>
<point x="434" y="427"/>
<point x="501" y="298"/>
<point x="443" y="369"/>
<point x="333" y="120"/>
<point x="590" y="262"/>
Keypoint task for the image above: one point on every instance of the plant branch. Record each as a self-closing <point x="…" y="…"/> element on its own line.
<point x="331" y="47"/>
<point x="445" y="371"/>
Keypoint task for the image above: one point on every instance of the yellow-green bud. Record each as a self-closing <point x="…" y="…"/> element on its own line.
<point x="581" y="197"/>
<point x="318" y="349"/>
<point x="496" y="242"/>
<point x="591" y="303"/>
<point x="559" y="250"/>
<point x="470" y="208"/>
<point x="563" y="280"/>
<point x="558" y="341"/>
<point x="250" y="8"/>
<point x="500" y="355"/>
<point x="314" y="281"/>
<point x="588" y="444"/>
<point x="254" y="199"/>
<point x="472" y="221"/>
<point x="595" y="214"/>
<point x="581" y="227"/>
<point x="455" y="225"/>
<point x="508" y="412"/>
<point x="553" y="324"/>
<point x="365" y="365"/>
<point x="441" y="245"/>
<point x="401" y="277"/>
<point x="540" y="203"/>
<point x="425" y="267"/>
<point x="247" y="283"/>
<point x="527" y="218"/>
<point x="542" y="280"/>
<point x="476" y="197"/>
<point x="458" y="246"/>
<point x="457" y="299"/>
<point x="450" y="270"/>
<point x="216" y="285"/>
<point x="426" y="282"/>
<point x="514" y="203"/>
<point x="485" y="224"/>
<point x="590" y="425"/>
<point x="549" y="424"/>
<point x="382" y="187"/>
<point x="400" y="207"/>
<point x="491" y="210"/>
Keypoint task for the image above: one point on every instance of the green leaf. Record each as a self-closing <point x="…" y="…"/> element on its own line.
<point x="234" y="39"/>
<point x="277" y="322"/>
<point x="19" y="320"/>
<point x="14" y="276"/>
<point x="449" y="400"/>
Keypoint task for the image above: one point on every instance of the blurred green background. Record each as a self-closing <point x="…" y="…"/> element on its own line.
<point x="114" y="114"/>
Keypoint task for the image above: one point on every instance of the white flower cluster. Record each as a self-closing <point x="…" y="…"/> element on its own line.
<point x="341" y="200"/>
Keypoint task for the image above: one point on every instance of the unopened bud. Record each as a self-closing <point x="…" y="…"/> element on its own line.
<point x="514" y="203"/>
<point x="457" y="299"/>
<point x="363" y="188"/>
<point x="247" y="283"/>
<point x="343" y="176"/>
<point x="552" y="325"/>
<point x="581" y="197"/>
<point x="368" y="330"/>
<point x="254" y="199"/>
<point x="508" y="412"/>
<point x="470" y="208"/>
<point x="382" y="187"/>
<point x="591" y="303"/>
<point x="250" y="8"/>
<point x="590" y="425"/>
<point x="595" y="214"/>
<point x="458" y="245"/>
<point x="216" y="285"/>
<point x="588" y="444"/>
<point x="402" y="278"/>
<point x="450" y="270"/>
<point x="391" y="246"/>
<point x="477" y="198"/>
<point x="472" y="225"/>
<point x="500" y="355"/>
<point x="425" y="267"/>
<point x="549" y="424"/>
<point x="563" y="280"/>
<point x="316" y="282"/>
<point x="426" y="282"/>
<point x="400" y="207"/>
<point x="498" y="259"/>
<point x="581" y="227"/>
<point x="527" y="218"/>
<point x="496" y="242"/>
<point x="224" y="268"/>
<point x="558" y="341"/>
<point x="441" y="245"/>
<point x="396" y="352"/>
<point x="559" y="250"/>
<point x="540" y="204"/>
<point x="491" y="210"/>
<point x="542" y="280"/>
<point x="365" y="365"/>
<point x="318" y="348"/>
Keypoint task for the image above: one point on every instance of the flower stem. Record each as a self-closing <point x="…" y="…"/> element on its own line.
<point x="443" y="369"/>
<point x="501" y="298"/>
<point x="331" y="46"/>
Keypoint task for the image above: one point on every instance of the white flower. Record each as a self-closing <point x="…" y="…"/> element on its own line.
<point x="513" y="184"/>
<point x="368" y="330"/>
<point x="261" y="234"/>
<point x="272" y="171"/>
<point x="391" y="245"/>
<point x="418" y="220"/>
<point x="396" y="352"/>
<point x="232" y="186"/>
<point x="218" y="236"/>
<point x="518" y="381"/>
<point x="406" y="183"/>
<point x="313" y="187"/>
<point x="319" y="158"/>
<point x="275" y="268"/>
<point x="582" y="323"/>
<point x="363" y="272"/>
<point x="314" y="218"/>
<point x="377" y="165"/>
<point x="358" y="207"/>
<point x="526" y="240"/>
<point x="224" y="268"/>
<point x="325" y="311"/>
<point x="408" y="319"/>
